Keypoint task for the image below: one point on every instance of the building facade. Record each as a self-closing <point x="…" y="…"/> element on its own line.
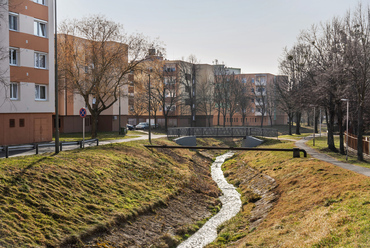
<point x="27" y="75"/>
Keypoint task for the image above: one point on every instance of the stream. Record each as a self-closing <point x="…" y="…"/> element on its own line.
<point x="231" y="205"/>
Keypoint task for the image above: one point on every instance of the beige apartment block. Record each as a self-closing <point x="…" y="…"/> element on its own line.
<point x="27" y="75"/>
<point x="261" y="91"/>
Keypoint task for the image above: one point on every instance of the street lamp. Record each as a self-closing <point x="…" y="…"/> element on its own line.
<point x="346" y="100"/>
<point x="150" y="129"/>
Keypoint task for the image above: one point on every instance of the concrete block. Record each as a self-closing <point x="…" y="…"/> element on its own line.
<point x="251" y="141"/>
<point x="186" y="141"/>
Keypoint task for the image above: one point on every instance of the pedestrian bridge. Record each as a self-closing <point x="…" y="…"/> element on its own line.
<point x="222" y="132"/>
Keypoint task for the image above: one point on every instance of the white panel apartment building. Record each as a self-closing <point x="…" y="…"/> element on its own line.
<point x="27" y="92"/>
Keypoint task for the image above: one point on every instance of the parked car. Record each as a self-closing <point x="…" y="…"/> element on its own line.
<point x="130" y="127"/>
<point x="142" y="126"/>
<point x="154" y="126"/>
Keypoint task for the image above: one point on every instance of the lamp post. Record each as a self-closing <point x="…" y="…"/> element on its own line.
<point x="346" y="100"/>
<point x="56" y="81"/>
<point x="320" y="122"/>
<point x="119" y="110"/>
<point x="150" y="129"/>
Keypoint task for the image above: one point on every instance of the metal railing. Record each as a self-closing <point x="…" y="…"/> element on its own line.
<point x="221" y="132"/>
<point x="296" y="151"/>
<point x="36" y="147"/>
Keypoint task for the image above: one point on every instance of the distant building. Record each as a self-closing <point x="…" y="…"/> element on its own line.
<point x="263" y="103"/>
<point x="27" y="76"/>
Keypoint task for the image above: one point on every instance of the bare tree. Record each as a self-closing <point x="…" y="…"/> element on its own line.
<point x="261" y="96"/>
<point x="285" y="99"/>
<point x="187" y="80"/>
<point x="222" y="91"/>
<point x="356" y="37"/>
<point x="270" y="100"/>
<point x="244" y="98"/>
<point x="96" y="56"/>
<point x="140" y="105"/>
<point x="205" y="97"/>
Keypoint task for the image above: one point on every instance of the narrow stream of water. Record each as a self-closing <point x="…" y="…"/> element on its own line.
<point x="231" y="205"/>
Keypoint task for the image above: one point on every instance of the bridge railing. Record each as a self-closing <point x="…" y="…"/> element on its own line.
<point x="222" y="132"/>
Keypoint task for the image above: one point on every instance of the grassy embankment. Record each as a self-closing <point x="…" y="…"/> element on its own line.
<point x="47" y="199"/>
<point x="319" y="204"/>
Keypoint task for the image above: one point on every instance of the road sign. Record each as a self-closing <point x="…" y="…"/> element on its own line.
<point x="83" y="112"/>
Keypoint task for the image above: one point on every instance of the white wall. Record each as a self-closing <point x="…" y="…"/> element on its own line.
<point x="26" y="57"/>
<point x="26" y="24"/>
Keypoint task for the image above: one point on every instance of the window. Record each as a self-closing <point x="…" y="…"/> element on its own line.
<point x="13" y="21"/>
<point x="252" y="80"/>
<point x="40" y="60"/>
<point x="252" y="100"/>
<point x="40" y="92"/>
<point x="13" y="56"/>
<point x="21" y="122"/>
<point x="11" y="122"/>
<point x="40" y="28"/>
<point x="13" y="91"/>
<point x="43" y="2"/>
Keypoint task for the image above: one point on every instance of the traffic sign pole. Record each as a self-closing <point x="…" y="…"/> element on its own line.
<point x="83" y="115"/>
<point x="83" y="131"/>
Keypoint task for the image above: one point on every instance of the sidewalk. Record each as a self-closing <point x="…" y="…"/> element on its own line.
<point x="358" y="169"/>
<point x="73" y="147"/>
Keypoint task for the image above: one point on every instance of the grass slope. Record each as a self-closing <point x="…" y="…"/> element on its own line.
<point x="319" y="204"/>
<point x="47" y="199"/>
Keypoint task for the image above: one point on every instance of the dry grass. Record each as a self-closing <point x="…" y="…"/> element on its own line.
<point x="46" y="199"/>
<point x="319" y="204"/>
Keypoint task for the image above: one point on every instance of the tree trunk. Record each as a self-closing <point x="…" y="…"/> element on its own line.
<point x="218" y="118"/>
<point x="262" y="121"/>
<point x="290" y="121"/>
<point x="330" y="124"/>
<point x="298" y="123"/>
<point x="360" y="131"/>
<point x="308" y="119"/>
<point x="316" y="120"/>
<point x="94" y="125"/>
<point x="340" y="124"/>
<point x="165" y="122"/>
<point x="224" y="121"/>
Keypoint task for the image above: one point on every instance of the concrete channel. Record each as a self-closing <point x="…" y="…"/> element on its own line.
<point x="231" y="205"/>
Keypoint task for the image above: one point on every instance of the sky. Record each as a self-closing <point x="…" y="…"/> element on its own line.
<point x="246" y="34"/>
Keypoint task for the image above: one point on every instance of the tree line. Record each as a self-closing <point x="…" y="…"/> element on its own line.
<point x="328" y="65"/>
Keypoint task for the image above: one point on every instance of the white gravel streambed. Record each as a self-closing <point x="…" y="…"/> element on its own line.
<point x="231" y="205"/>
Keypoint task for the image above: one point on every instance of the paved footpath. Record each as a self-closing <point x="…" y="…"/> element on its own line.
<point x="144" y="136"/>
<point x="358" y="169"/>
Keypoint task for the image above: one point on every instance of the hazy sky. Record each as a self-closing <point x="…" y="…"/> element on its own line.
<point x="242" y="33"/>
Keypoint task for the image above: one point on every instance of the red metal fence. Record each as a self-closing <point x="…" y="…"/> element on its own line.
<point x="352" y="142"/>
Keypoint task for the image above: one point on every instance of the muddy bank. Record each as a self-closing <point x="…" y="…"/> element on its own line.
<point x="258" y="188"/>
<point x="159" y="227"/>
